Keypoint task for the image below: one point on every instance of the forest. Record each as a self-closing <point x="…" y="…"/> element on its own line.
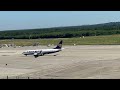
<point x="110" y="28"/>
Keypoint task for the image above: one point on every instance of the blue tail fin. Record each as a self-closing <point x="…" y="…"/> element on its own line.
<point x="59" y="46"/>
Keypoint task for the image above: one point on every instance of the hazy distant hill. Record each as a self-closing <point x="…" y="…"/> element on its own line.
<point x="64" y="32"/>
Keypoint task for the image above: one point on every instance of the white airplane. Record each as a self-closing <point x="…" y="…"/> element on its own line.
<point x="42" y="52"/>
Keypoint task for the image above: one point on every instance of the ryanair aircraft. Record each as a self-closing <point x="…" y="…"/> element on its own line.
<point x="42" y="52"/>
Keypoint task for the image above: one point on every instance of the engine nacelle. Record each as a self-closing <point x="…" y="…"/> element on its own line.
<point x="35" y="55"/>
<point x="38" y="54"/>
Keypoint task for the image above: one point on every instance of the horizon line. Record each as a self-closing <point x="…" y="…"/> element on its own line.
<point x="57" y="26"/>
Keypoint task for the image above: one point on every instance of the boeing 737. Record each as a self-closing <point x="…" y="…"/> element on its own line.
<point x="37" y="53"/>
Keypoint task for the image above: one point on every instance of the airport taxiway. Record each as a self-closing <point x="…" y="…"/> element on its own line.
<point x="74" y="62"/>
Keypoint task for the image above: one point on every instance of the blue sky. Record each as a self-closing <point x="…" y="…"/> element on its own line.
<point x="12" y="20"/>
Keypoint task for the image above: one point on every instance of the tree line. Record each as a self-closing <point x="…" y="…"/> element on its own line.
<point x="63" y="32"/>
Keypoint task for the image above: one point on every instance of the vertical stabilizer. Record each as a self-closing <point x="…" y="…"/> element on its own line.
<point x="59" y="46"/>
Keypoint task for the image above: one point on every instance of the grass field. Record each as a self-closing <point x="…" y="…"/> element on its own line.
<point x="91" y="40"/>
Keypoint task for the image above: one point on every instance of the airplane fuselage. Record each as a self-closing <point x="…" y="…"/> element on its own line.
<point x="41" y="51"/>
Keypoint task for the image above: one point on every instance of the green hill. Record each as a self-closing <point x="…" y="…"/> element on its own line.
<point x="64" y="32"/>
